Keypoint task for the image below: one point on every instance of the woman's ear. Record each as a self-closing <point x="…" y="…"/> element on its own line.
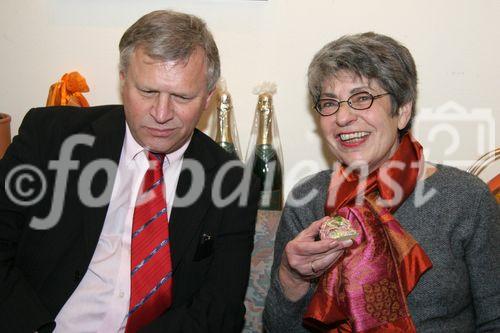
<point x="404" y="115"/>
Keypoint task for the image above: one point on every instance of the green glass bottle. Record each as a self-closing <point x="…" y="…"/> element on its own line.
<point x="224" y="136"/>
<point x="266" y="164"/>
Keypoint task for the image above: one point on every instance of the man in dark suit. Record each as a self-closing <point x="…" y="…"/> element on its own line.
<point x="127" y="218"/>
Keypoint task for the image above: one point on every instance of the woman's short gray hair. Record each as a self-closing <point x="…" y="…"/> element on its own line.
<point x="373" y="56"/>
<point x="169" y="36"/>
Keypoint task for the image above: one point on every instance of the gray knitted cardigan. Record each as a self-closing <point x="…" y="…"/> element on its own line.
<point x="458" y="226"/>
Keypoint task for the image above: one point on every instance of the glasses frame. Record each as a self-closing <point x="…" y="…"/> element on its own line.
<point x="348" y="101"/>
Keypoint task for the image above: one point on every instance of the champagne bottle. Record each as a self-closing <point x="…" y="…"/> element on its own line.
<point x="224" y="136"/>
<point x="266" y="163"/>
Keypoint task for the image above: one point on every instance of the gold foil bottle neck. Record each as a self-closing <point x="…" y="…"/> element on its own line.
<point x="265" y="108"/>
<point x="265" y="103"/>
<point x="223" y="119"/>
<point x="225" y="103"/>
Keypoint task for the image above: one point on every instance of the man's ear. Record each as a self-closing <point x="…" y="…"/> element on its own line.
<point x="404" y="115"/>
<point x="209" y="98"/>
<point x="122" y="79"/>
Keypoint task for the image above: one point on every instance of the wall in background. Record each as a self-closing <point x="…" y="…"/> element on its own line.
<point x="455" y="44"/>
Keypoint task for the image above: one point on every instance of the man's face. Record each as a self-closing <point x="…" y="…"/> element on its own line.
<point x="163" y="101"/>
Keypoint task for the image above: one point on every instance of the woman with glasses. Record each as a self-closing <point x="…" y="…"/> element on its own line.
<point x="425" y="255"/>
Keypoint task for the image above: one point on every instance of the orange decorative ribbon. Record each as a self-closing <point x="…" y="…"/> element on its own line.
<point x="366" y="290"/>
<point x="68" y="91"/>
<point x="494" y="186"/>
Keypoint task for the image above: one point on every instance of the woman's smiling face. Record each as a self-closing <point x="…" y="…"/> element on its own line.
<point x="361" y="137"/>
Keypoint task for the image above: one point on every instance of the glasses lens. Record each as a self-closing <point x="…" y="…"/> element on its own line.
<point x="361" y="101"/>
<point x="327" y="106"/>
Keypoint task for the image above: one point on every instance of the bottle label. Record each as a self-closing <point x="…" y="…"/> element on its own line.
<point x="265" y="152"/>
<point x="229" y="147"/>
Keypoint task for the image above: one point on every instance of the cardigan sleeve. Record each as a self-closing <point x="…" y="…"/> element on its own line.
<point x="281" y="314"/>
<point x="482" y="255"/>
<point x="305" y="205"/>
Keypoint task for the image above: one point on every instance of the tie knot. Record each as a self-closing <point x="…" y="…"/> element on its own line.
<point x="156" y="159"/>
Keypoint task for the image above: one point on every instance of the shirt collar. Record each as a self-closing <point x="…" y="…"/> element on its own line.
<point x="132" y="148"/>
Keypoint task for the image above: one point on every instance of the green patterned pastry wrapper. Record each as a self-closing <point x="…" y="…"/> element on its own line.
<point x="337" y="228"/>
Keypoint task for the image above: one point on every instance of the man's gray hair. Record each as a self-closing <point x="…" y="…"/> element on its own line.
<point x="167" y="35"/>
<point x="373" y="56"/>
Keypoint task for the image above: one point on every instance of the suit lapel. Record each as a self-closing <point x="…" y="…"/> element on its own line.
<point x="109" y="132"/>
<point x="186" y="221"/>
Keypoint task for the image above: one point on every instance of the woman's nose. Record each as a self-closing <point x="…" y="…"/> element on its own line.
<point x="345" y="114"/>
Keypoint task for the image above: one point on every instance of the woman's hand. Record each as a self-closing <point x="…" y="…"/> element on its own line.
<point x="304" y="259"/>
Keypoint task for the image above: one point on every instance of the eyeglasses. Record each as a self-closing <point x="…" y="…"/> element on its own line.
<point x="359" y="101"/>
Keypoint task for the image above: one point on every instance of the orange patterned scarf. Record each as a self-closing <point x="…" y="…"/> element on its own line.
<point x="366" y="290"/>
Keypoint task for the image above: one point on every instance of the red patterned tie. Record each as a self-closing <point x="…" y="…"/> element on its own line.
<point x="151" y="266"/>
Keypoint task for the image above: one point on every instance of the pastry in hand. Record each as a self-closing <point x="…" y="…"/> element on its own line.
<point x="337" y="228"/>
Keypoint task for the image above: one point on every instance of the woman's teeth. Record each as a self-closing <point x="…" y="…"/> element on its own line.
<point x="353" y="136"/>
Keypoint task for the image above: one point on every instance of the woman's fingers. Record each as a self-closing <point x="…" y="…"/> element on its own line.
<point x="310" y="260"/>
<point x="305" y="243"/>
<point x="322" y="263"/>
<point x="305" y="257"/>
<point x="311" y="248"/>
<point x="312" y="231"/>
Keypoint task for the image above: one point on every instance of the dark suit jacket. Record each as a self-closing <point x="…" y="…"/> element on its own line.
<point x="40" y="269"/>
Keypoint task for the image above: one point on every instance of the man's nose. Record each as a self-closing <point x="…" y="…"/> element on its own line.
<point x="163" y="110"/>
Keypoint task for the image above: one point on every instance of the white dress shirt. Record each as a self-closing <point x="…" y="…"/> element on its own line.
<point x="100" y="303"/>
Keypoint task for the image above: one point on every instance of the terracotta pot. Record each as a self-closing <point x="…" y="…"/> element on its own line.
<point x="4" y="132"/>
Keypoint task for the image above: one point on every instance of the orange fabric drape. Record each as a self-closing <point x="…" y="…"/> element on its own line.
<point x="68" y="91"/>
